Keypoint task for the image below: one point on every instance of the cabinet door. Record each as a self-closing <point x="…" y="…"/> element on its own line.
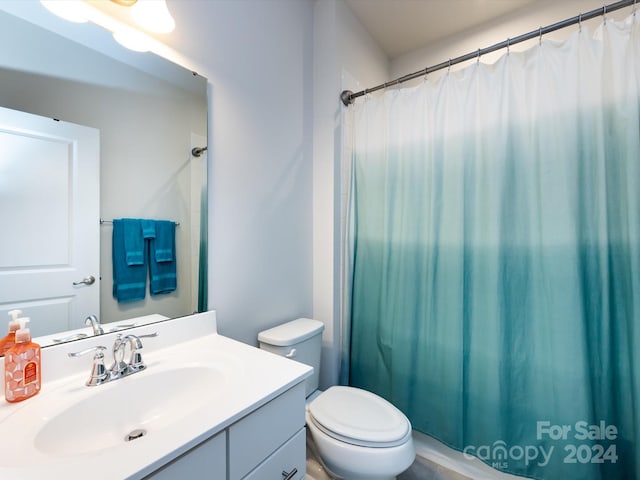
<point x="262" y="432"/>
<point x="289" y="461"/>
<point x="207" y="461"/>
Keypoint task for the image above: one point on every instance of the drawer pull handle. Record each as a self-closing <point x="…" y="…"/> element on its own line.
<point x="292" y="353"/>
<point x="289" y="475"/>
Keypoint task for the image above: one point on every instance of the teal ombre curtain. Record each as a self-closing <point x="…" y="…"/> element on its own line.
<point x="203" y="251"/>
<point x="494" y="232"/>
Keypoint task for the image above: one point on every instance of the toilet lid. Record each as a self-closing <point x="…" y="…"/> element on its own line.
<point x="359" y="417"/>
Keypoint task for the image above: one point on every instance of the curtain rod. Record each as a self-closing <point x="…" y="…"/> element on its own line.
<point x="348" y="97"/>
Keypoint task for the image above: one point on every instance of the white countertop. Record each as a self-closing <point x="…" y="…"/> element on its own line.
<point x="55" y="338"/>
<point x="252" y="377"/>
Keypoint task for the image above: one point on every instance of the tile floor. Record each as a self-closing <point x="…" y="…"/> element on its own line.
<point x="421" y="469"/>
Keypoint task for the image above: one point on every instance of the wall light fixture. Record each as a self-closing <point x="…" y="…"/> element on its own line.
<point x="150" y="15"/>
<point x="153" y="15"/>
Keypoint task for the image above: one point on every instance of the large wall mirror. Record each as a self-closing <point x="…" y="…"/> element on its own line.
<point x="147" y="121"/>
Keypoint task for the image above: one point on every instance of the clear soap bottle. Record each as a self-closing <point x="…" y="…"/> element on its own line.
<point x="22" y="377"/>
<point x="9" y="341"/>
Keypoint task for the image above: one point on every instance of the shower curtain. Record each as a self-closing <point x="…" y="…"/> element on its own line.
<point x="494" y="256"/>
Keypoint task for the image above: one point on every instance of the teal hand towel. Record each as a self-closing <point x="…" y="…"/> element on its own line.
<point x="148" y="228"/>
<point x="162" y="258"/>
<point x="129" y="281"/>
<point x="164" y="246"/>
<point x="133" y="241"/>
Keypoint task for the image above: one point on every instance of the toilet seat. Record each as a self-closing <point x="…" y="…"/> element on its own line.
<point x="359" y="417"/>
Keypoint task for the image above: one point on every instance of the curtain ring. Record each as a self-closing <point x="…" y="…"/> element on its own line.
<point x="604" y="14"/>
<point x="478" y="58"/>
<point x="580" y="23"/>
<point x="449" y="67"/>
<point x="540" y="36"/>
<point x="634" y="8"/>
<point x="508" y="46"/>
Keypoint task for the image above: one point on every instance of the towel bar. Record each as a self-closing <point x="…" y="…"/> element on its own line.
<point x="102" y="222"/>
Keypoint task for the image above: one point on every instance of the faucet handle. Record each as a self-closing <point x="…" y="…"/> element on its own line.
<point x="147" y="335"/>
<point x="99" y="349"/>
<point x="135" y="362"/>
<point x="99" y="373"/>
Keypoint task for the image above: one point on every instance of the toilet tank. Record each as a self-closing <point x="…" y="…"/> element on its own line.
<point x="299" y="340"/>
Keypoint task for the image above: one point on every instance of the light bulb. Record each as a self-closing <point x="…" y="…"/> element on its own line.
<point x="131" y="39"/>
<point x="72" y="10"/>
<point x="153" y="15"/>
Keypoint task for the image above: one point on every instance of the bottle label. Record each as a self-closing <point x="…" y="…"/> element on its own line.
<point x="30" y="373"/>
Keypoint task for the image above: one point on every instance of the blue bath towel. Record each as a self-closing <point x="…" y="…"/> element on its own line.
<point x="162" y="258"/>
<point x="133" y="241"/>
<point x="129" y="280"/>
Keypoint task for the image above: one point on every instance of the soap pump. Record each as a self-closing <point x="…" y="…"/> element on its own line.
<point x="22" y="377"/>
<point x="10" y="339"/>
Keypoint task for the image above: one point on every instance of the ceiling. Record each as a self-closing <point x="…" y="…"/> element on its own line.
<point x="401" y="26"/>
<point x="398" y="26"/>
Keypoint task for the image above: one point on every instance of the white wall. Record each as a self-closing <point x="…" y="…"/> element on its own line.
<point x="345" y="56"/>
<point x="276" y="70"/>
<point x="257" y="56"/>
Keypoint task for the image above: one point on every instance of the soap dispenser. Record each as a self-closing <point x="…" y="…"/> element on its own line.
<point x="9" y="341"/>
<point x="22" y="377"/>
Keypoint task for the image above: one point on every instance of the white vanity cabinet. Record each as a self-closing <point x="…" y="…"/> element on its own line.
<point x="213" y="408"/>
<point x="268" y="443"/>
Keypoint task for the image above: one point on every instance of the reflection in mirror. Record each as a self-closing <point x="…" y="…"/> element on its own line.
<point x="146" y="126"/>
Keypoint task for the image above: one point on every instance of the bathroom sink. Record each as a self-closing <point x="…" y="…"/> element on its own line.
<point x="196" y="385"/>
<point x="74" y="420"/>
<point x="128" y="409"/>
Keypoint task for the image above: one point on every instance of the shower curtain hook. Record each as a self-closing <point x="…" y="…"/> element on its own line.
<point x="580" y="23"/>
<point x="508" y="46"/>
<point x="634" y="8"/>
<point x="540" y="36"/>
<point x="449" y="67"/>
<point x="478" y="58"/>
<point x="604" y="15"/>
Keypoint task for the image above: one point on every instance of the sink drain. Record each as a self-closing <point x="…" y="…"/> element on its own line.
<point x="135" y="434"/>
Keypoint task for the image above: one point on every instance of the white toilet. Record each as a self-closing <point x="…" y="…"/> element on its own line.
<point x="358" y="434"/>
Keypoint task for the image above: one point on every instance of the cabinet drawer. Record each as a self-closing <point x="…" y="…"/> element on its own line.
<point x="288" y="458"/>
<point x="205" y="461"/>
<point x="260" y="433"/>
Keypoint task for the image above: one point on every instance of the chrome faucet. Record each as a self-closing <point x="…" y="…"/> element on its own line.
<point x="95" y="324"/>
<point x="119" y="368"/>
<point x="99" y="373"/>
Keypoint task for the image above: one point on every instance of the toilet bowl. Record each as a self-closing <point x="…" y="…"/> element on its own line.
<point x="357" y="434"/>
